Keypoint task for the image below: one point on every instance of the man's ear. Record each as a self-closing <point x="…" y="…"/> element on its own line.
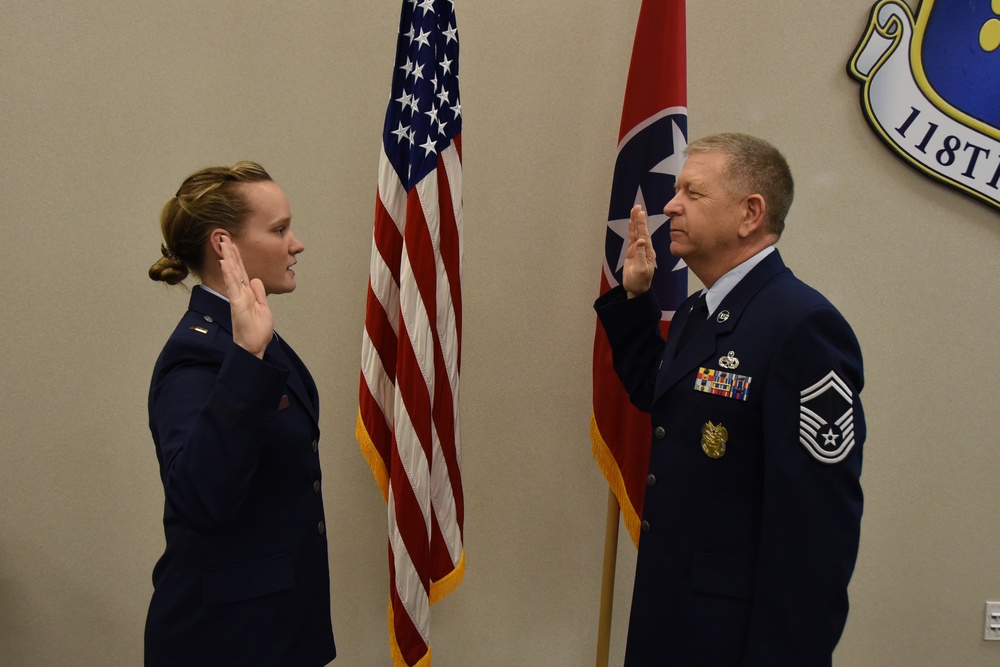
<point x="754" y="209"/>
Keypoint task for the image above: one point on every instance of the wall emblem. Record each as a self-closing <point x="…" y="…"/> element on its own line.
<point x="931" y="88"/>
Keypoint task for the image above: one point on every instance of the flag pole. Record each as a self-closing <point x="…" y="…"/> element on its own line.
<point x="608" y="580"/>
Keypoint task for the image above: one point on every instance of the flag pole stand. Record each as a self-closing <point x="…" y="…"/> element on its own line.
<point x="608" y="580"/>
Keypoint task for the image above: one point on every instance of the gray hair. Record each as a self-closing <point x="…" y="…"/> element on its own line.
<point x="753" y="166"/>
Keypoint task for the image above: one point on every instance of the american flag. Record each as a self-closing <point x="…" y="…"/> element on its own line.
<point x="408" y="422"/>
<point x="651" y="142"/>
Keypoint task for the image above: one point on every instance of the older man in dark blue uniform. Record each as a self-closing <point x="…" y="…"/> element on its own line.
<point x="752" y="512"/>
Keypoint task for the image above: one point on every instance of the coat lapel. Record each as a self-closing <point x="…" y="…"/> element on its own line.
<point x="678" y="364"/>
<point x="298" y="378"/>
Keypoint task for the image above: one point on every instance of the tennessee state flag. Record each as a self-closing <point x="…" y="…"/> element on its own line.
<point x="651" y="144"/>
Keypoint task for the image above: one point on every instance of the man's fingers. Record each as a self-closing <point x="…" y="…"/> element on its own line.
<point x="635" y="216"/>
<point x="640" y="249"/>
<point x="638" y="227"/>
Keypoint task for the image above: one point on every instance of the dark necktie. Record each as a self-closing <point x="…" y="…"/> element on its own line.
<point x="695" y="321"/>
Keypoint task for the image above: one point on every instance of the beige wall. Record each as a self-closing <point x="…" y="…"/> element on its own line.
<point x="104" y="107"/>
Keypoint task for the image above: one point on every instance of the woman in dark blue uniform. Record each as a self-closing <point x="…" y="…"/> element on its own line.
<point x="234" y="415"/>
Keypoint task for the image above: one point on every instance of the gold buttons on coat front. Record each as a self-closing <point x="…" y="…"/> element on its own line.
<point x="660" y="433"/>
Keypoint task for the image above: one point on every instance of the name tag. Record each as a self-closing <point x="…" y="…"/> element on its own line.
<point x="722" y="383"/>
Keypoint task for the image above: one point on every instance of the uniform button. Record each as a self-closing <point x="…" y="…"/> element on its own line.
<point x="320" y="528"/>
<point x="316" y="486"/>
<point x="315" y="445"/>
<point x="645" y="527"/>
<point x="651" y="480"/>
<point x="208" y="318"/>
<point x="660" y="433"/>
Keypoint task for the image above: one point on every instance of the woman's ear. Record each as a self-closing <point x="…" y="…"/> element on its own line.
<point x="215" y="241"/>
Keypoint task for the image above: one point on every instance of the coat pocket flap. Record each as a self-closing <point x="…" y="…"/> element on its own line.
<point x="248" y="580"/>
<point x="722" y="575"/>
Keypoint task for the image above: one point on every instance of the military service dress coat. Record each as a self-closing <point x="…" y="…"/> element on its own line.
<point x="752" y="512"/>
<point x="244" y="578"/>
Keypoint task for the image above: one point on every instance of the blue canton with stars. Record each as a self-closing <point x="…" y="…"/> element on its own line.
<point x="645" y="173"/>
<point x="424" y="112"/>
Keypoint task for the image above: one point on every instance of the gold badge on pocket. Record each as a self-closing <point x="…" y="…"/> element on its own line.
<point x="713" y="439"/>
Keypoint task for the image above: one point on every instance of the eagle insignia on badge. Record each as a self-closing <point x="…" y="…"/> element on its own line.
<point x="826" y="419"/>
<point x="713" y="439"/>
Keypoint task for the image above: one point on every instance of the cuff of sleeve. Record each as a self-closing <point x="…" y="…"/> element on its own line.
<point x="616" y="301"/>
<point x="613" y="295"/>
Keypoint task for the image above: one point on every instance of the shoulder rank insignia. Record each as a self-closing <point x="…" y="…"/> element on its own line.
<point x="826" y="419"/>
<point x="201" y="330"/>
<point x="713" y="439"/>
